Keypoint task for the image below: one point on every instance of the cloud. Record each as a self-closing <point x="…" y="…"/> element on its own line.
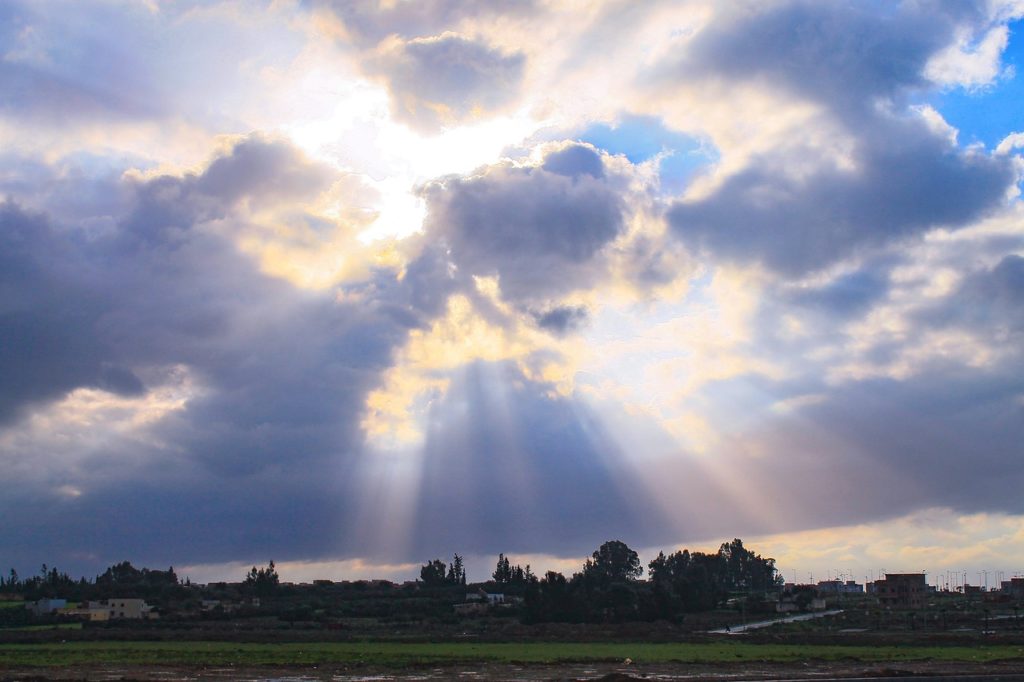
<point x="48" y="309"/>
<point x="158" y="80"/>
<point x="56" y="69"/>
<point x="967" y="65"/>
<point x="797" y="207"/>
<point x="269" y="418"/>
<point x="562" y="318"/>
<point x="877" y="449"/>
<point x="989" y="302"/>
<point x="444" y="64"/>
<point x="848" y="295"/>
<point x="365" y="21"/>
<point x="896" y="386"/>
<point x="540" y="229"/>
<point x="935" y="539"/>
<point x="442" y="81"/>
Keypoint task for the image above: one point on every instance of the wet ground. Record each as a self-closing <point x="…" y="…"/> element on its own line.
<point x="621" y="672"/>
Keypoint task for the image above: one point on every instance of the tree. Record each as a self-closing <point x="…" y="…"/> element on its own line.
<point x="613" y="562"/>
<point x="553" y="598"/>
<point x="264" y="580"/>
<point x="433" y="573"/>
<point x="745" y="570"/>
<point x="456" y="571"/>
<point x="503" y="571"/>
<point x="507" y="574"/>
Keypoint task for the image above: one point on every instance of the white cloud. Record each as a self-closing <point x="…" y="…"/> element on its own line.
<point x="970" y="63"/>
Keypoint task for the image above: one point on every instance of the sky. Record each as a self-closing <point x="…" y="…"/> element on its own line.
<point x="353" y="285"/>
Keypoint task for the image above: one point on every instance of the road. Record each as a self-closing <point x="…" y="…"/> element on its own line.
<point x="740" y="629"/>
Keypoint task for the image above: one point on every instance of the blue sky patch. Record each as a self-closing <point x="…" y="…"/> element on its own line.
<point x="990" y="114"/>
<point x="639" y="138"/>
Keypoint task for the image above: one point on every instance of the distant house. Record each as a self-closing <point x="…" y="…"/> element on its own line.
<point x="480" y="601"/>
<point x="46" y="607"/>
<point x="1013" y="587"/>
<point x="839" y="587"/>
<point x="902" y="590"/>
<point x="116" y="609"/>
<point x="129" y="609"/>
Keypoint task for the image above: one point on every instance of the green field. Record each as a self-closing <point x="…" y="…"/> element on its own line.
<point x="394" y="654"/>
<point x="12" y="604"/>
<point x="36" y="628"/>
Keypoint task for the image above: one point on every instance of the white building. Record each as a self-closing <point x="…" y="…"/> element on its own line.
<point x="129" y="609"/>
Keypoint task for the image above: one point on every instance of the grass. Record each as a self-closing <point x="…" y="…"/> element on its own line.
<point x="54" y="626"/>
<point x="397" y="654"/>
<point x="12" y="604"/>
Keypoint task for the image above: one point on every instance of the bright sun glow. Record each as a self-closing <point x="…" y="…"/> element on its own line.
<point x="360" y="135"/>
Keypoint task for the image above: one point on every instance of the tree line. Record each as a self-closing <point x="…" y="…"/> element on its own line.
<point x="608" y="587"/>
<point x="121" y="579"/>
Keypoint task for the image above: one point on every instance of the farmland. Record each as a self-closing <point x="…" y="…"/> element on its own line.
<point x="404" y="654"/>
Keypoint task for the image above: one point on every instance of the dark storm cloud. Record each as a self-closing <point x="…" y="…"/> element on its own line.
<point x="905" y="178"/>
<point x="524" y="470"/>
<point x="442" y="81"/>
<point x="47" y="309"/>
<point x="257" y="457"/>
<point x="540" y="231"/>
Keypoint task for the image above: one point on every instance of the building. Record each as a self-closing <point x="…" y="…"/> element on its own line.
<point x="902" y="590"/>
<point x="480" y="602"/>
<point x="46" y="607"/>
<point x="128" y="609"/>
<point x="839" y="587"/>
<point x="1013" y="587"/>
